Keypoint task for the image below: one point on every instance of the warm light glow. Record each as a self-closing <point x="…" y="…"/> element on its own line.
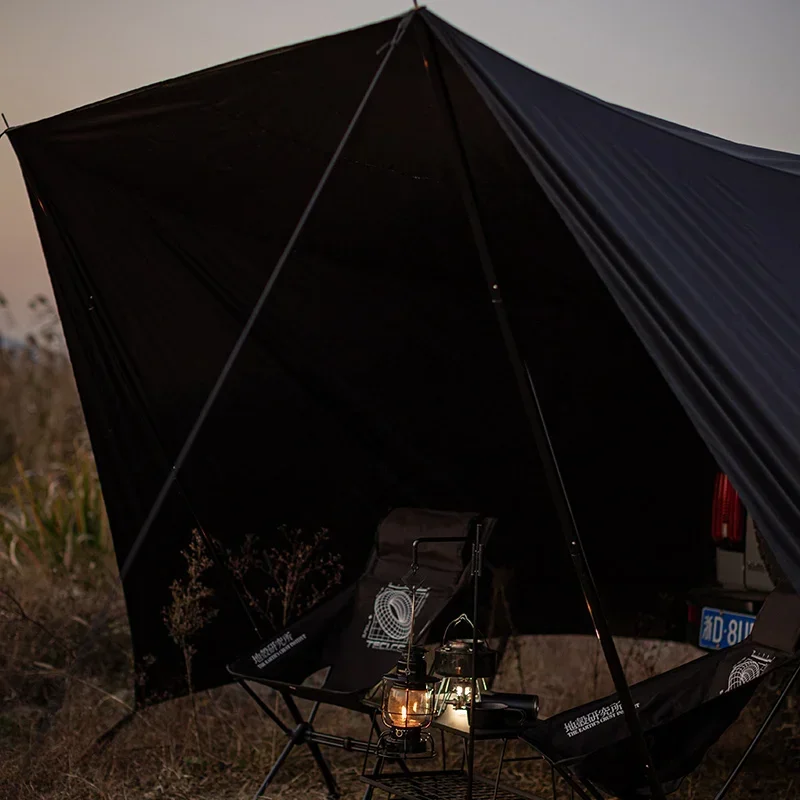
<point x="398" y="702"/>
<point x="457" y="692"/>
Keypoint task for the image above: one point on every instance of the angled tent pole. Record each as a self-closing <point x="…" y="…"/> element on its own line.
<point x="276" y="271"/>
<point x="533" y="410"/>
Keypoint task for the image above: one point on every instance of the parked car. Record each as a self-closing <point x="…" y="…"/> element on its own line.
<point x="723" y="614"/>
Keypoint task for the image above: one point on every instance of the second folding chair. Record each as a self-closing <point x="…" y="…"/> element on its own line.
<point x="358" y="634"/>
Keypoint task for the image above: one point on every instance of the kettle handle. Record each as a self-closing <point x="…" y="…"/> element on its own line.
<point x="462" y="618"/>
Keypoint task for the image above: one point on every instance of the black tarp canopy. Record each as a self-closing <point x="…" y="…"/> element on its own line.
<point x="649" y="271"/>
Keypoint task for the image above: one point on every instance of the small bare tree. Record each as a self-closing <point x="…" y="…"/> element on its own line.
<point x="291" y="577"/>
<point x="189" y="612"/>
<point x="286" y="580"/>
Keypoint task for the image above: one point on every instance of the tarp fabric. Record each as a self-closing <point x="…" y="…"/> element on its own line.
<point x="635" y="257"/>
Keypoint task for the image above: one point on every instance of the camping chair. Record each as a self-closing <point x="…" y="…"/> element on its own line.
<point x="358" y="635"/>
<point x="683" y="712"/>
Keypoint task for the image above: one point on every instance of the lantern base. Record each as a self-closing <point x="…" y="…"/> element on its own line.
<point x="409" y="743"/>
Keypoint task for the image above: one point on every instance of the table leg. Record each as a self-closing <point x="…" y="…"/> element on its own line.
<point x="499" y="769"/>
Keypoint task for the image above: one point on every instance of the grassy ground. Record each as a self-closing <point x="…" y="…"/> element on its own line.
<point x="57" y="695"/>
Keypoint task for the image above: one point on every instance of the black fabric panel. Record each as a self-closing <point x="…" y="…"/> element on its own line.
<point x="376" y="377"/>
<point x="637" y="472"/>
<point x="161" y="214"/>
<point x="696" y="240"/>
<point x="177" y="203"/>
<point x="359" y="635"/>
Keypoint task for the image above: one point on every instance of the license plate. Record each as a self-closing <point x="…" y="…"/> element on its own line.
<point x="720" y="629"/>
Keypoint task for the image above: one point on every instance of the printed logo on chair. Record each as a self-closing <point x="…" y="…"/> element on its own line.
<point x="276" y="648"/>
<point x="390" y="622"/>
<point x="748" y="669"/>
<point x="594" y="718"/>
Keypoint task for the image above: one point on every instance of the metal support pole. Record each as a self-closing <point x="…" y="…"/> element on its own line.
<point x="533" y="410"/>
<point x="276" y="271"/>
<point x="477" y="556"/>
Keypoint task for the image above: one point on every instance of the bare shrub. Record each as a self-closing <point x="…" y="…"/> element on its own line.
<point x="282" y="582"/>
<point x="58" y="694"/>
<point x="189" y="611"/>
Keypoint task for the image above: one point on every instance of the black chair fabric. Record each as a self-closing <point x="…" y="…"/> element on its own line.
<point x="683" y="711"/>
<point x="358" y="634"/>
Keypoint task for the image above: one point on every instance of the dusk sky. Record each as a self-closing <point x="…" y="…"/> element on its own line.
<point x="729" y="67"/>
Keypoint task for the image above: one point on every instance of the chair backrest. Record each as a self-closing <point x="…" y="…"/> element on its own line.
<point x="377" y="630"/>
<point x="778" y="622"/>
<point x="683" y="711"/>
<point x="360" y="633"/>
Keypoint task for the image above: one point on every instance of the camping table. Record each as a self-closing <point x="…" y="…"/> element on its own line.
<point x="450" y="784"/>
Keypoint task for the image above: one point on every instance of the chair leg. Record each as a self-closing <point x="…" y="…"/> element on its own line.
<point x="376" y="770"/>
<point x="322" y="764"/>
<point x="265" y="708"/>
<point x="327" y="775"/>
<point x="275" y="767"/>
<point x="759" y="733"/>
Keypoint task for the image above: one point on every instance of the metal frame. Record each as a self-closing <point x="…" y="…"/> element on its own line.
<point x="533" y="410"/>
<point x="265" y="293"/>
<point x="582" y="786"/>
<point x="476" y="567"/>
<point x="759" y="733"/>
<point x="303" y="733"/>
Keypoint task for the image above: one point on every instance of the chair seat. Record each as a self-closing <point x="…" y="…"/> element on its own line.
<point x="683" y="713"/>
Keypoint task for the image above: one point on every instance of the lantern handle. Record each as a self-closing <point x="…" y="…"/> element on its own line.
<point x="463" y="618"/>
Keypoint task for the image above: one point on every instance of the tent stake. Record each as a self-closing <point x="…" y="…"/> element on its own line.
<point x="533" y="411"/>
<point x="265" y="293"/>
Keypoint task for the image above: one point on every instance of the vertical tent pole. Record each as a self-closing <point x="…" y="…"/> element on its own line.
<point x="477" y="566"/>
<point x="265" y="293"/>
<point x="533" y="411"/>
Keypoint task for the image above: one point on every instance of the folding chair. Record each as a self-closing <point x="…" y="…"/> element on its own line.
<point x="683" y="712"/>
<point x="359" y="633"/>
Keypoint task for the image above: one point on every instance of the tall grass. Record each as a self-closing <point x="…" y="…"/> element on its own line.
<point x="41" y="421"/>
<point x="51" y="508"/>
<point x="59" y="689"/>
<point x="54" y="518"/>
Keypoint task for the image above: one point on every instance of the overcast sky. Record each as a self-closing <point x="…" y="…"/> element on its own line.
<point x="729" y="67"/>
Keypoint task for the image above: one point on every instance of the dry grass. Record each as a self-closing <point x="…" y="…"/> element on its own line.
<point x="60" y="690"/>
<point x="53" y="712"/>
